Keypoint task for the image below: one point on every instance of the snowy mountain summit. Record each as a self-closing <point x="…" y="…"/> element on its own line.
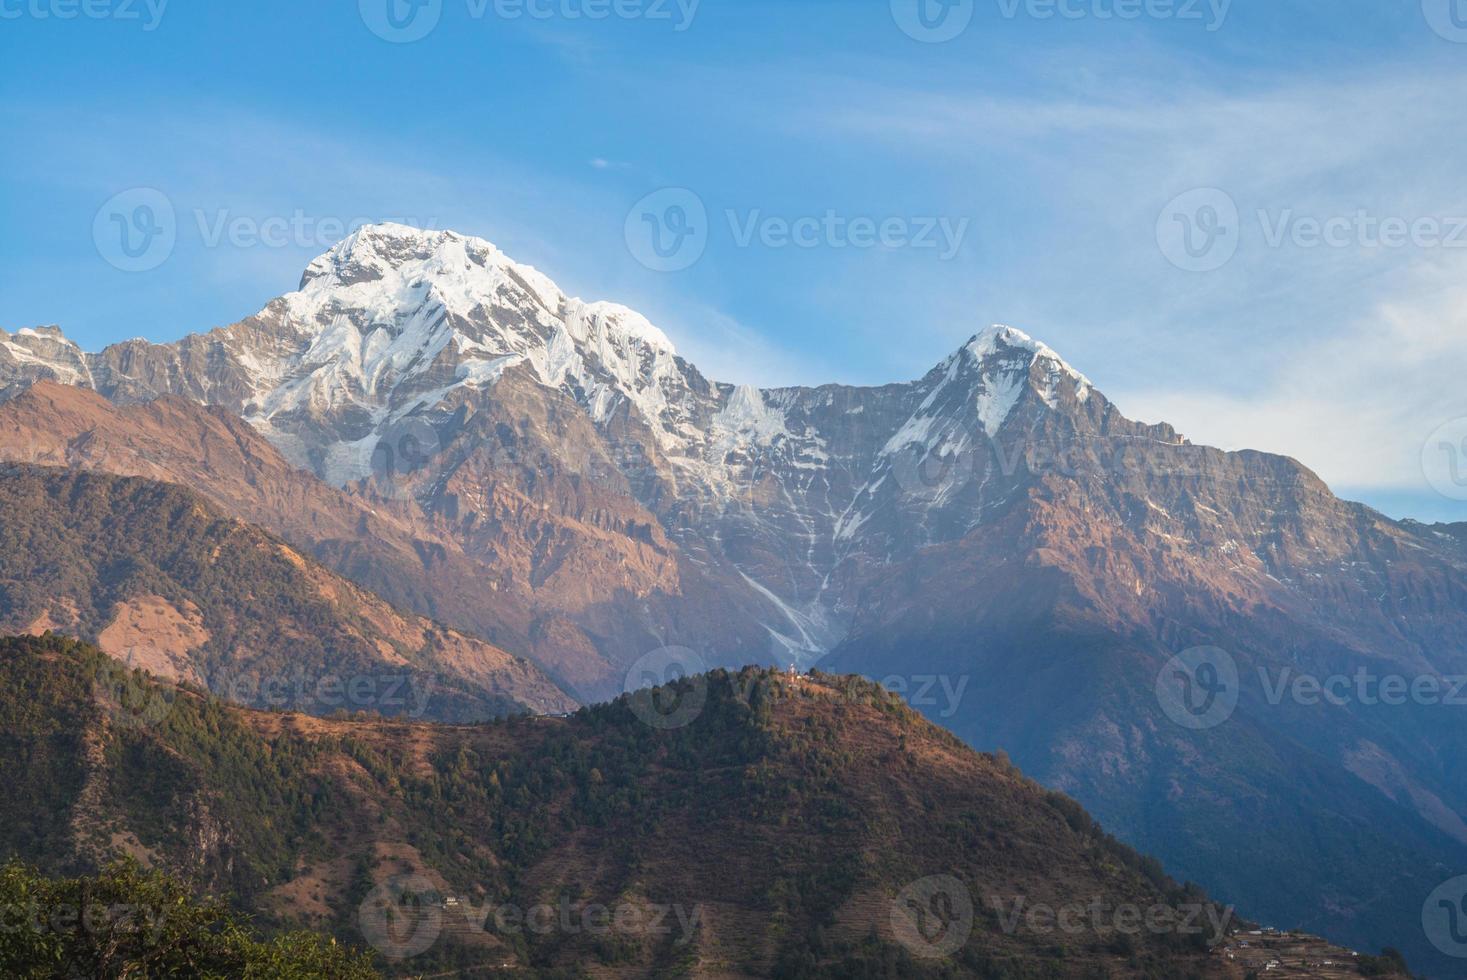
<point x="393" y="320"/>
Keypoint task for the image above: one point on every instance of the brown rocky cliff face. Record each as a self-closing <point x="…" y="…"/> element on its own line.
<point x="165" y="583"/>
<point x="511" y="533"/>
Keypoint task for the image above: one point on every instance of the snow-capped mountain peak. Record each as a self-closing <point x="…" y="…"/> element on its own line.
<point x="389" y="267"/>
<point x="36" y="352"/>
<point x="1000" y="340"/>
<point x="393" y="319"/>
<point x="983" y="382"/>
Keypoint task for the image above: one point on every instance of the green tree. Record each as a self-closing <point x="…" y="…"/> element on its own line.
<point x="130" y="923"/>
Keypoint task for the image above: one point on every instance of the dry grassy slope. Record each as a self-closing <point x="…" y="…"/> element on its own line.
<point x="162" y="581"/>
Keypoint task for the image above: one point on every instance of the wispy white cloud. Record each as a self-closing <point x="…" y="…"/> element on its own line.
<point x="1359" y="406"/>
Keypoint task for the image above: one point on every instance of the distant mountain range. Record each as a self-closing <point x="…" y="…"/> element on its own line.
<point x="449" y="429"/>
<point x="565" y="443"/>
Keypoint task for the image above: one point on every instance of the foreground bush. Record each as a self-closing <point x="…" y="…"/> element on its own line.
<point x="127" y="922"/>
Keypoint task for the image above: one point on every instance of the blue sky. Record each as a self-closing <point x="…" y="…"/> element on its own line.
<point x="1039" y="168"/>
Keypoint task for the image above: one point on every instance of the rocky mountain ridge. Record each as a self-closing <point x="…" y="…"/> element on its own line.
<point x="164" y="583"/>
<point x="375" y="371"/>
